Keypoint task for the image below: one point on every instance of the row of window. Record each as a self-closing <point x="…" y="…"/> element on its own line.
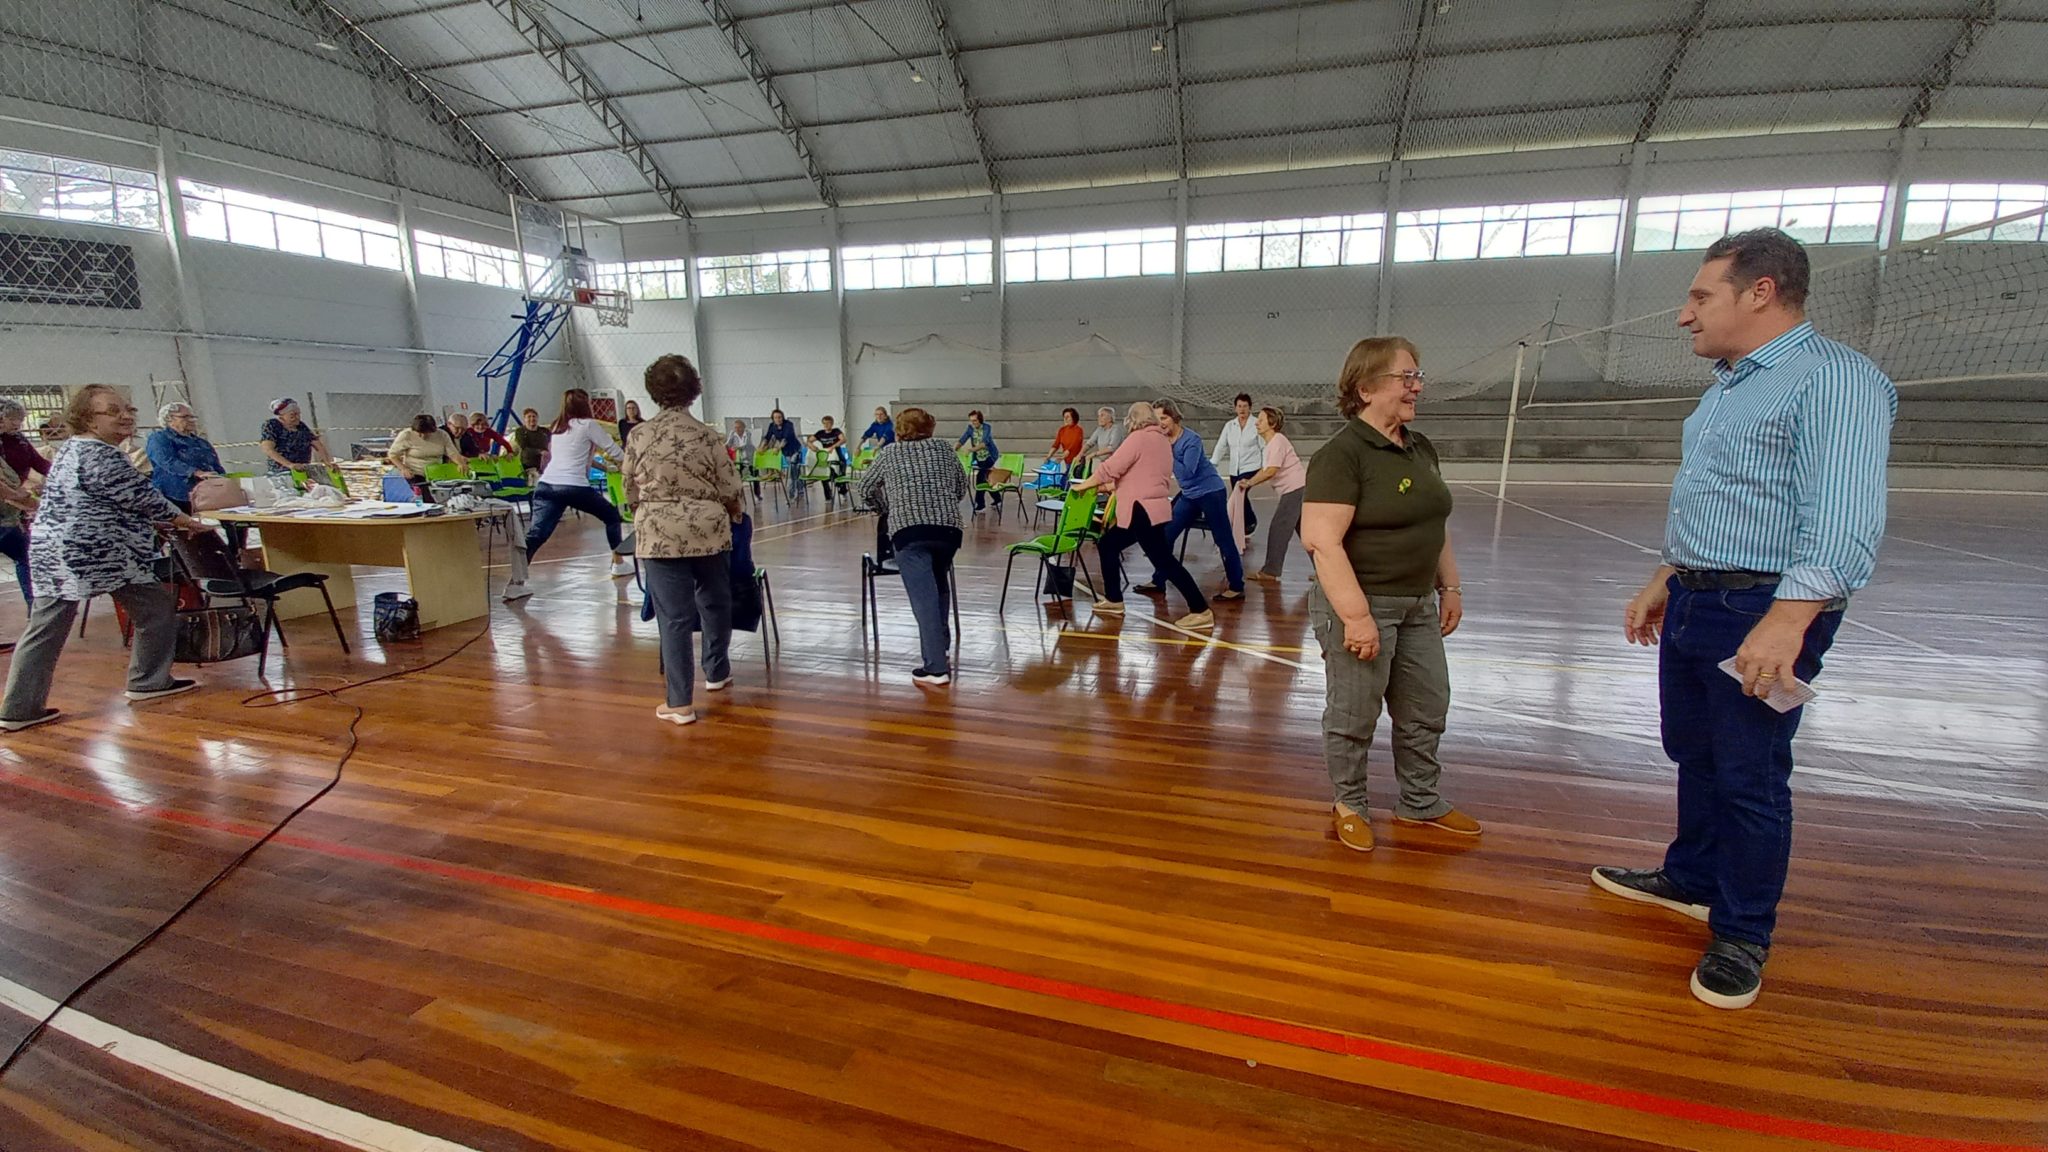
<point x="33" y="184"/>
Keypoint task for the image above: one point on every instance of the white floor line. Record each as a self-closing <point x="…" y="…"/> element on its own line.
<point x="293" y="1109"/>
<point x="1967" y="552"/>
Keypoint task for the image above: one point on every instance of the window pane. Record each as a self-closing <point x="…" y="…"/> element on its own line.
<point x="1052" y="264"/>
<point x="1319" y="249"/>
<point x="1363" y="246"/>
<point x="65" y="167"/>
<point x="949" y="270"/>
<point x="1088" y="263"/>
<point x="1806" y="223"/>
<point x="1855" y="224"/>
<point x="1593" y="235"/>
<point x="1699" y="229"/>
<point x="461" y="266"/>
<point x="859" y="274"/>
<point x="1158" y="258"/>
<point x="1241" y="253"/>
<point x="1413" y="243"/>
<point x="1205" y="256"/>
<point x="1500" y="238"/>
<point x="429" y="261"/>
<point x="300" y="237"/>
<point x="1281" y="252"/>
<point x="821" y="271"/>
<point x="1743" y="219"/>
<point x="918" y="272"/>
<point x="82" y="199"/>
<point x="888" y="274"/>
<point x="1124" y="260"/>
<point x="251" y="226"/>
<point x="1924" y="218"/>
<point x="136" y="207"/>
<point x="381" y="252"/>
<point x="341" y="243"/>
<point x="1458" y="241"/>
<point x="1020" y="267"/>
<point x="2025" y="229"/>
<point x="1656" y="231"/>
<point x="27" y="161"/>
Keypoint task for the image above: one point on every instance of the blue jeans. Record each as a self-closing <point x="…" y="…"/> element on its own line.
<point x="927" y="567"/>
<point x="981" y="472"/>
<point x="1734" y="755"/>
<point x="1214" y="509"/>
<point x="551" y="500"/>
<point x="14" y="546"/>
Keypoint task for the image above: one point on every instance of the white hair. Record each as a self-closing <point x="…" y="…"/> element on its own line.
<point x="174" y="408"/>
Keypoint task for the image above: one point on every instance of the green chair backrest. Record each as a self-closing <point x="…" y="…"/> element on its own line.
<point x="1077" y="516"/>
<point x="1011" y="462"/>
<point x="444" y="471"/>
<point x="866" y="457"/>
<point x="768" y="460"/>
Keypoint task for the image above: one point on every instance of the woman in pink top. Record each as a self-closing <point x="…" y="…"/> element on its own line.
<point x="1140" y="474"/>
<point x="1288" y="476"/>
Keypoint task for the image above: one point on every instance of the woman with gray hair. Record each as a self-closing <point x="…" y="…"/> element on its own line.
<point x="15" y="448"/>
<point x="1139" y="475"/>
<point x="179" y="456"/>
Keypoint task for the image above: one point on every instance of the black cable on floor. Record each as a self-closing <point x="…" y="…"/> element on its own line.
<point x="290" y="696"/>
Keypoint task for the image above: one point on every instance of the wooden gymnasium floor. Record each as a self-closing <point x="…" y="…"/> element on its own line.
<point x="1087" y="898"/>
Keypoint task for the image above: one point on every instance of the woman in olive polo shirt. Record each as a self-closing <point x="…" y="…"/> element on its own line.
<point x="1386" y="591"/>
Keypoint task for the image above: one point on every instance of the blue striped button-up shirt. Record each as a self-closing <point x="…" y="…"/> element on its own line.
<point x="1784" y="468"/>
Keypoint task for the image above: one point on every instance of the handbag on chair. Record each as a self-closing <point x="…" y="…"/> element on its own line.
<point x="211" y="635"/>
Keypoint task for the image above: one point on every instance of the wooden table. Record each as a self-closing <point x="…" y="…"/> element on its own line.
<point x="444" y="568"/>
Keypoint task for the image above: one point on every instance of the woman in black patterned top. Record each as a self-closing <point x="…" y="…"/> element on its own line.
<point x="95" y="534"/>
<point x="919" y="484"/>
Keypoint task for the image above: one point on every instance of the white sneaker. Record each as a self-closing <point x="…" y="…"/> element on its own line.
<point x="933" y="679"/>
<point x="516" y="590"/>
<point x="718" y="685"/>
<point x="676" y="715"/>
<point x="175" y="688"/>
<point x="622" y="567"/>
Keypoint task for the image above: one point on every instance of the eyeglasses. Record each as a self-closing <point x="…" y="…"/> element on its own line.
<point x="1416" y="378"/>
<point x="122" y="410"/>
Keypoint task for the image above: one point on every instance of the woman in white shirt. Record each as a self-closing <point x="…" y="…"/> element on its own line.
<point x="565" y="478"/>
<point x="1238" y="455"/>
<point x="1284" y="470"/>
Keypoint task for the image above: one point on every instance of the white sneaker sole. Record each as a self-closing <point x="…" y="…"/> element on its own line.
<point x="1698" y="912"/>
<point x="146" y="697"/>
<point x="677" y="718"/>
<point x="718" y="685"/>
<point x="516" y="592"/>
<point x="932" y="681"/>
<point x="25" y="725"/>
<point x="1714" y="999"/>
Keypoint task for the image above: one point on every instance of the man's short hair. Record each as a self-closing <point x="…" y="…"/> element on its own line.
<point x="1765" y="253"/>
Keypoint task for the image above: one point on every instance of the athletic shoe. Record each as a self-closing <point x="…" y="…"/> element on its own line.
<point x="718" y="685"/>
<point x="1231" y="594"/>
<point x="1454" y="822"/>
<point x="176" y="687"/>
<point x="1196" y="620"/>
<point x="1647" y="886"/>
<point x="516" y="590"/>
<point x="1354" y="831"/>
<point x="1263" y="577"/>
<point x="1149" y="588"/>
<point x="622" y="567"/>
<point x="678" y="716"/>
<point x="1730" y="974"/>
<point x="47" y="715"/>
<point x="931" y="679"/>
<point x="1109" y="607"/>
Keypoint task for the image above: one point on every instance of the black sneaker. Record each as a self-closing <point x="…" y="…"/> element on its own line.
<point x="44" y="717"/>
<point x="1730" y="974"/>
<point x="175" y="687"/>
<point x="1648" y="886"/>
<point x="933" y="679"/>
<point x="1149" y="588"/>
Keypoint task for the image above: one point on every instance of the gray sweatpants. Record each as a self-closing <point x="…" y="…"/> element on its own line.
<point x="152" y="611"/>
<point x="1281" y="532"/>
<point x="1410" y="675"/>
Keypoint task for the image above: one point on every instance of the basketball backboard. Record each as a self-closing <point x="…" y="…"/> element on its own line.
<point x="572" y="259"/>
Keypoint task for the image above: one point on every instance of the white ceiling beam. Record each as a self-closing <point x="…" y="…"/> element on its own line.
<point x="968" y="108"/>
<point x="387" y="67"/>
<point x="1940" y="78"/>
<point x="757" y="71"/>
<point x="1180" y="121"/>
<point x="1695" y="24"/>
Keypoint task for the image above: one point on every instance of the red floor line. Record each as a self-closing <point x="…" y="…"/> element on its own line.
<point x="1252" y="1027"/>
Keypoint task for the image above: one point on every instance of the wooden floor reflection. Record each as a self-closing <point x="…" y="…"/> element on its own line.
<point x="1087" y="897"/>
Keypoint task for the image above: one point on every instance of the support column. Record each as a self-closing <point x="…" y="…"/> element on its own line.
<point x="1624" y="255"/>
<point x="839" y="320"/>
<point x="995" y="232"/>
<point x="415" y="322"/>
<point x="195" y="358"/>
<point x="699" y="351"/>
<point x="1178" y="356"/>
<point x="1891" y="226"/>
<point x="1384" y="290"/>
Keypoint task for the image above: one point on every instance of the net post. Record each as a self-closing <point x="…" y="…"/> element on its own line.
<point x="1507" y="447"/>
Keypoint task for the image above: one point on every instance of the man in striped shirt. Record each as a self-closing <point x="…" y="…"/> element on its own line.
<point x="1775" y="520"/>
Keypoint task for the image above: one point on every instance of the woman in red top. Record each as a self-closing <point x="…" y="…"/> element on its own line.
<point x="1066" y="443"/>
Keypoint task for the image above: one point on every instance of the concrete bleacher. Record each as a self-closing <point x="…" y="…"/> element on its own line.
<point x="1989" y="437"/>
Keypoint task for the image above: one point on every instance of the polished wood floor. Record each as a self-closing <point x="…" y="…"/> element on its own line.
<point x="1086" y="898"/>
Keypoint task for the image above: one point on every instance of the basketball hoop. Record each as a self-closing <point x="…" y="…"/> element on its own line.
<point x="613" y="308"/>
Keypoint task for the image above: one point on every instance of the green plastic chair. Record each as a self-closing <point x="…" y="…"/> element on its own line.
<point x="821" y="474"/>
<point x="1077" y="516"/>
<point x="507" y="478"/>
<point x="1012" y="463"/>
<point x="438" y="473"/>
<point x="767" y="469"/>
<point x="615" y="487"/>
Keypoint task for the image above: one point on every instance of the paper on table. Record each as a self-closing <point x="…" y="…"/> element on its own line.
<point x="1795" y="693"/>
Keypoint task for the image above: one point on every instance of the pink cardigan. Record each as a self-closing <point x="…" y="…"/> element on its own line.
<point x="1140" y="471"/>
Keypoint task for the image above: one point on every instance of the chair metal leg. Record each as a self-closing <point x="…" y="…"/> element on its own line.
<point x="334" y="617"/>
<point x="768" y="595"/>
<point x="953" y="587"/>
<point x="1005" y="597"/>
<point x="84" y="613"/>
<point x="278" y="624"/>
<point x="1081" y="559"/>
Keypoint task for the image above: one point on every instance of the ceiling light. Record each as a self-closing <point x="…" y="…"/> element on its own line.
<point x="916" y="77"/>
<point x="326" y="46"/>
<point x="1158" y="44"/>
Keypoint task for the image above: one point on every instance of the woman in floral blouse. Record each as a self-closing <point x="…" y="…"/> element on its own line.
<point x="95" y="534"/>
<point x="685" y="498"/>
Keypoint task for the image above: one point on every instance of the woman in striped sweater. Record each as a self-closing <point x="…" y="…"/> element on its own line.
<point x="919" y="484"/>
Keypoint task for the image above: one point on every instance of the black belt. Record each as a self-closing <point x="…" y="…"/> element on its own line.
<point x="1701" y="580"/>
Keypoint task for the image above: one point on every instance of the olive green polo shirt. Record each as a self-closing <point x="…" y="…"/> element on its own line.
<point x="1400" y="506"/>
